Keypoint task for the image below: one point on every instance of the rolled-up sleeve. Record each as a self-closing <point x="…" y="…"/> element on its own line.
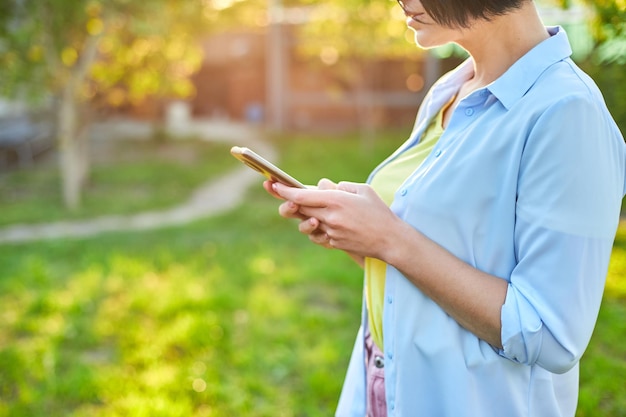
<point x="553" y="298"/>
<point x="569" y="194"/>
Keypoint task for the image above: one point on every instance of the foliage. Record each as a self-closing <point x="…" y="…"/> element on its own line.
<point x="607" y="24"/>
<point x="228" y="15"/>
<point x="609" y="29"/>
<point x="87" y="53"/>
<point x="238" y="315"/>
<point x="611" y="79"/>
<point x="606" y="64"/>
<point x="355" y="28"/>
<point x="141" y="48"/>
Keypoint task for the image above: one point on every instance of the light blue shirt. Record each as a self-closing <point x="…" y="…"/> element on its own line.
<point x="525" y="184"/>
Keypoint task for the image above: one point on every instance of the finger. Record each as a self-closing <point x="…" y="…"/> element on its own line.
<point x="351" y="187"/>
<point x="290" y="210"/>
<point x="268" y="187"/>
<point x="326" y="184"/>
<point x="303" y="197"/>
<point x="320" y="238"/>
<point x="309" y="226"/>
<point x="317" y="213"/>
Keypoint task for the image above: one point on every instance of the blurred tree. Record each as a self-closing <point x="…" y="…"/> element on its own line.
<point x="608" y="27"/>
<point x="347" y="35"/>
<point x="85" y="52"/>
<point x="361" y="28"/>
<point x="606" y="61"/>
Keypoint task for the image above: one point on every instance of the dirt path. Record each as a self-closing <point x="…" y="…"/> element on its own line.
<point x="215" y="196"/>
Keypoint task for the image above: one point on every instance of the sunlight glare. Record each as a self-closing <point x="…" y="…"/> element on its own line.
<point x="415" y="82"/>
<point x="199" y="385"/>
<point x="409" y="36"/>
<point x="69" y="56"/>
<point x="198" y="368"/>
<point x="159" y="376"/>
<point x="329" y="55"/>
<point x="397" y="12"/>
<point x="616" y="281"/>
<point x="395" y="29"/>
<point x="94" y="26"/>
<point x="241" y="317"/>
<point x="222" y="4"/>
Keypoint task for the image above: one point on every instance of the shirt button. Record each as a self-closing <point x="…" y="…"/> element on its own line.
<point x="469" y="111"/>
<point x="437" y="153"/>
<point x="379" y="362"/>
<point x="403" y="192"/>
<point x="389" y="299"/>
<point x="389" y="356"/>
<point x="392" y="405"/>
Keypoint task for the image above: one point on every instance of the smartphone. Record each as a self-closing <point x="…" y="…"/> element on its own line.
<point x="263" y="166"/>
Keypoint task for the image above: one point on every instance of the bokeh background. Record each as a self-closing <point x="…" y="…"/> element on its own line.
<point x="143" y="271"/>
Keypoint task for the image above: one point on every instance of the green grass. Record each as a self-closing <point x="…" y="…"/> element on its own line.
<point x="604" y="365"/>
<point x="236" y="315"/>
<point x="209" y="319"/>
<point x="137" y="175"/>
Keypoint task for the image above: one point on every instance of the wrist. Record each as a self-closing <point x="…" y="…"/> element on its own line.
<point x="395" y="243"/>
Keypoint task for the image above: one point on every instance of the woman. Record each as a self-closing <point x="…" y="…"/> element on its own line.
<point x="486" y="237"/>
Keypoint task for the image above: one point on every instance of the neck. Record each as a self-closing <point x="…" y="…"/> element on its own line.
<point x="497" y="44"/>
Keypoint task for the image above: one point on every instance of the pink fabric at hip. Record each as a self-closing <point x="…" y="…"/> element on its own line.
<point x="376" y="402"/>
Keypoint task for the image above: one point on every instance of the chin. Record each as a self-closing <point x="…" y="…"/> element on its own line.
<point x="429" y="36"/>
<point x="425" y="42"/>
<point x="427" y="39"/>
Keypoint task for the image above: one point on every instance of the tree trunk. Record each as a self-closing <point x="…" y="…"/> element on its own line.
<point x="73" y="140"/>
<point x="84" y="159"/>
<point x="69" y="148"/>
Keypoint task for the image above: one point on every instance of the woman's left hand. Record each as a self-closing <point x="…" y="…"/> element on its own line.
<point x="352" y="216"/>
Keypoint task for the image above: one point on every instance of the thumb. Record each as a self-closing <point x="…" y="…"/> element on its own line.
<point x="351" y="187"/>
<point x="326" y="184"/>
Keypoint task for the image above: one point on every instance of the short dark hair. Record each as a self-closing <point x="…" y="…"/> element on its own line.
<point x="458" y="13"/>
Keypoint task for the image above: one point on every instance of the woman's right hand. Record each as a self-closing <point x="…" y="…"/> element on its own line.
<point x="310" y="226"/>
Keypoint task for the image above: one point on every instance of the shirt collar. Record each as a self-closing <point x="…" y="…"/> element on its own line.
<point x="520" y="77"/>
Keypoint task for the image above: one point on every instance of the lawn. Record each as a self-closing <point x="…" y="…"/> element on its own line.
<point x="236" y="315"/>
<point x="127" y="176"/>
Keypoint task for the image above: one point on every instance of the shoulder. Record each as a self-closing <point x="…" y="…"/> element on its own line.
<point x="565" y="82"/>
<point x="564" y="98"/>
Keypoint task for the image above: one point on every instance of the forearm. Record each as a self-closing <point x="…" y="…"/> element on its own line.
<point x="473" y="298"/>
<point x="360" y="260"/>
